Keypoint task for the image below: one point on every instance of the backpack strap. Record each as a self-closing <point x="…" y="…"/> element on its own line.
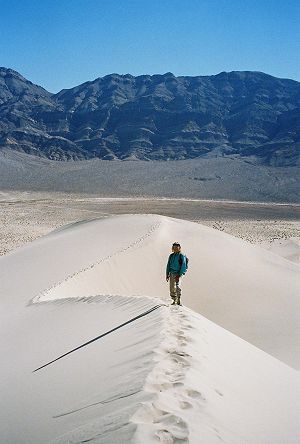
<point x="180" y="259"/>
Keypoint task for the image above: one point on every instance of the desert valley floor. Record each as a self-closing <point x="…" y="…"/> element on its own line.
<point x="28" y="215"/>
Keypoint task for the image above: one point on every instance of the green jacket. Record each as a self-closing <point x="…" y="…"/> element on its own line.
<point x="176" y="264"/>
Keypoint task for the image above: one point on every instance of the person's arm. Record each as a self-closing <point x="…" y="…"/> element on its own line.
<point x="168" y="269"/>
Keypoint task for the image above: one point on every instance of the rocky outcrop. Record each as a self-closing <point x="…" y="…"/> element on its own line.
<point x="159" y="117"/>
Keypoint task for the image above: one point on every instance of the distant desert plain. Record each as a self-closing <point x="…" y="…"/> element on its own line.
<point x="260" y="204"/>
<point x="26" y="216"/>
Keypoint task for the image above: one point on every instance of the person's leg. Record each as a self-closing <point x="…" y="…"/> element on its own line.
<point x="173" y="292"/>
<point x="178" y="292"/>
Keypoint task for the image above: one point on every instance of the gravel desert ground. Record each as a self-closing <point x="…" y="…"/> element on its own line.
<point x="26" y="216"/>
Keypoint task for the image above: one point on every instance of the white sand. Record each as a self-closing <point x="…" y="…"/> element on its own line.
<point x="173" y="376"/>
<point x="287" y="248"/>
<point x="240" y="286"/>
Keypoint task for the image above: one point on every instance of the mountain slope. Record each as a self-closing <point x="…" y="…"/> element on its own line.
<point x="158" y="117"/>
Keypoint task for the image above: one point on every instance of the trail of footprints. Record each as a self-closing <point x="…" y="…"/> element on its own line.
<point x="133" y="244"/>
<point x="169" y="384"/>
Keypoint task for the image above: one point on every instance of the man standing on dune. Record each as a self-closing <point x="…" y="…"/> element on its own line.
<point x="176" y="268"/>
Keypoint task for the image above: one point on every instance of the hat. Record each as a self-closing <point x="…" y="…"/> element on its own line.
<point x="176" y="244"/>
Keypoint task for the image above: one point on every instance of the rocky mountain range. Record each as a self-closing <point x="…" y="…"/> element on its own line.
<point x="159" y="117"/>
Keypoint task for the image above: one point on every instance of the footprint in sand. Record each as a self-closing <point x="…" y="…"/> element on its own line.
<point x="183" y="353"/>
<point x="184" y="363"/>
<point x="174" y="430"/>
<point x="178" y="384"/>
<point x="167" y="385"/>
<point x="184" y="338"/>
<point x="185" y="405"/>
<point x="164" y="436"/>
<point x="180" y="336"/>
<point x="176" y="376"/>
<point x="159" y="414"/>
<point x="188" y="327"/>
<point x="195" y="394"/>
<point x="178" y="353"/>
<point x="162" y="387"/>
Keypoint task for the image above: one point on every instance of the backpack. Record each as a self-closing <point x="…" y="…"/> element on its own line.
<point x="180" y="260"/>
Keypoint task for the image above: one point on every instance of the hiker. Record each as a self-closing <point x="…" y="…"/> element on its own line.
<point x="176" y="268"/>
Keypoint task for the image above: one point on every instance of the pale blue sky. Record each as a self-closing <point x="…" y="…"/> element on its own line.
<point x="62" y="43"/>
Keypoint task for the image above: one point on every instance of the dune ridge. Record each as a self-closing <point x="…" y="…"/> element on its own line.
<point x="172" y="376"/>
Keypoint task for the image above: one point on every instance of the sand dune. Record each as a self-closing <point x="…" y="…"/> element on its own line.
<point x="287" y="248"/>
<point x="172" y="376"/>
<point x="241" y="287"/>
